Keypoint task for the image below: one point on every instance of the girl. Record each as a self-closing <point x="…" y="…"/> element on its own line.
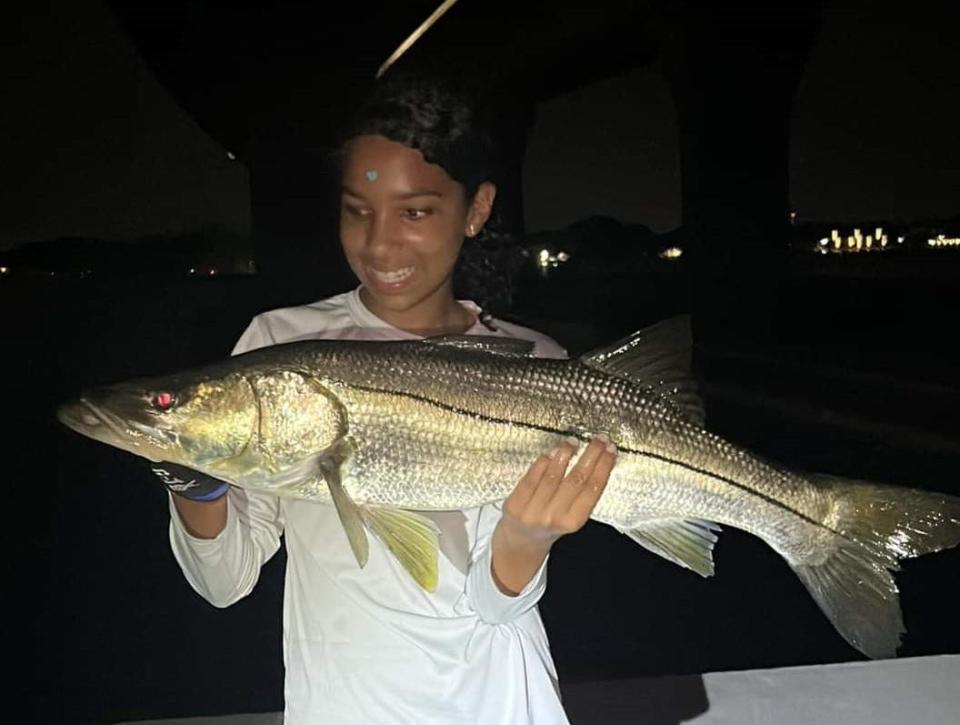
<point x="368" y="645"/>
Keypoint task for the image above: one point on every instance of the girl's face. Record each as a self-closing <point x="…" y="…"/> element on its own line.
<point x="402" y="222"/>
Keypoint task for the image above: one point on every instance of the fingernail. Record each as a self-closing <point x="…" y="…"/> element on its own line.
<point x="554" y="453"/>
<point x="611" y="448"/>
<point x="602" y="437"/>
<point x="573" y="442"/>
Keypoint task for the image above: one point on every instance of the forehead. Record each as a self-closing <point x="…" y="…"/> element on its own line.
<point x="391" y="165"/>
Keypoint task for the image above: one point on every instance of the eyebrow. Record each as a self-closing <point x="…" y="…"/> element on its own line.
<point x="403" y="197"/>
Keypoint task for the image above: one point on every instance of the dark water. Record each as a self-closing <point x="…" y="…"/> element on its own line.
<point x="848" y="375"/>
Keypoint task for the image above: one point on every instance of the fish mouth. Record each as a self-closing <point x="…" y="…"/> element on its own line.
<point x="85" y="417"/>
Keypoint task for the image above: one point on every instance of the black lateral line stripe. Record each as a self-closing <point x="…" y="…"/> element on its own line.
<point x="646" y="454"/>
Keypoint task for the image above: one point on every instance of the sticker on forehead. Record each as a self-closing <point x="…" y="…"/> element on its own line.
<point x="372" y="175"/>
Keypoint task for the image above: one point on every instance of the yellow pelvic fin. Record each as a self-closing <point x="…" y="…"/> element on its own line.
<point x="413" y="539"/>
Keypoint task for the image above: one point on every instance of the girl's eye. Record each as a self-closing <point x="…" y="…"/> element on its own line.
<point x="416" y="213"/>
<point x="356" y="211"/>
<point x="163" y="401"/>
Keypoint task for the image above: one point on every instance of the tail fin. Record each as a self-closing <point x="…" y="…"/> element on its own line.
<point x="876" y="526"/>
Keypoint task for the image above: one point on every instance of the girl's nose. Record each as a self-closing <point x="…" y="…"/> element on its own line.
<point x="381" y="233"/>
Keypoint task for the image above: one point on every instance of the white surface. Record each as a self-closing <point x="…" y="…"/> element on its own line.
<point x="910" y="691"/>
<point x="914" y="691"/>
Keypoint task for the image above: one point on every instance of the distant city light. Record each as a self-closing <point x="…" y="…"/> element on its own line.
<point x="212" y="271"/>
<point x="4" y="270"/>
<point x="942" y="240"/>
<point x="193" y="270"/>
<point x="855" y="242"/>
<point x="671" y="253"/>
<point x="547" y="259"/>
<point x="231" y="156"/>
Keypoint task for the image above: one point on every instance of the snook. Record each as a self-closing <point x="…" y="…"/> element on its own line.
<point x="384" y="429"/>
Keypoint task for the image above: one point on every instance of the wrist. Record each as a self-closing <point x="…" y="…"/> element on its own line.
<point x="189" y="484"/>
<point x="515" y="559"/>
<point x="524" y="539"/>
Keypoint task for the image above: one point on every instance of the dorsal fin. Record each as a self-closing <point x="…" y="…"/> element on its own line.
<point x="510" y="346"/>
<point x="657" y="358"/>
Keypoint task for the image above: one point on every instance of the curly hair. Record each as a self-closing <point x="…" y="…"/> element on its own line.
<point x="439" y="117"/>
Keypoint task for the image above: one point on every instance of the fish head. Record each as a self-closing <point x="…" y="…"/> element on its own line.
<point x="236" y="424"/>
<point x="199" y="422"/>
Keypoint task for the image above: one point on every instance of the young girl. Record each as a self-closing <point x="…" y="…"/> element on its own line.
<point x="368" y="645"/>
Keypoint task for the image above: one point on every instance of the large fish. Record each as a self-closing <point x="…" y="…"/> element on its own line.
<point x="386" y="429"/>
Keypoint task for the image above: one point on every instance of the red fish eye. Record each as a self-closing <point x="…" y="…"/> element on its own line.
<point x="162" y="401"/>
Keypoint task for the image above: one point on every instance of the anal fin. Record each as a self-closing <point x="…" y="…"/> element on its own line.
<point x="687" y="542"/>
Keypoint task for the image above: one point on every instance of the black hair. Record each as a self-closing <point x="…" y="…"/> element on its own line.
<point x="445" y="119"/>
<point x="436" y="115"/>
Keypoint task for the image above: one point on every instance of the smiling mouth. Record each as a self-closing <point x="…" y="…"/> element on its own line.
<point x="395" y="276"/>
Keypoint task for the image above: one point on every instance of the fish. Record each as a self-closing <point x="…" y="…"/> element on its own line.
<point x="387" y="430"/>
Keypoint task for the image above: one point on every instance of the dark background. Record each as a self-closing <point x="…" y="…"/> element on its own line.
<point x="844" y="364"/>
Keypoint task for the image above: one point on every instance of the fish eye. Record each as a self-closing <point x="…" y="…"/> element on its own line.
<point x="163" y="401"/>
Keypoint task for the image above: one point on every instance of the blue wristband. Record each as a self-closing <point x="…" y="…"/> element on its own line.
<point x="213" y="495"/>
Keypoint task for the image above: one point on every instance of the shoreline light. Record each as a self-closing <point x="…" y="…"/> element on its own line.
<point x="942" y="240"/>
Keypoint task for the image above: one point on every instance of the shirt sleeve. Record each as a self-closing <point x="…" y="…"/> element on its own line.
<point x="490" y="604"/>
<point x="225" y="569"/>
<point x="255" y="336"/>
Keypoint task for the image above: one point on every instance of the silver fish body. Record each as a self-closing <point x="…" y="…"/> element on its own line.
<point x="447" y="428"/>
<point x="384" y="429"/>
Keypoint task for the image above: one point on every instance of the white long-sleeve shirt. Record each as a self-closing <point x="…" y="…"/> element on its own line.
<point x="369" y="645"/>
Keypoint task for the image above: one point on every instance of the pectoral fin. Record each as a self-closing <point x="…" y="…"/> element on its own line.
<point x="330" y="465"/>
<point x="688" y="543"/>
<point x="412" y="538"/>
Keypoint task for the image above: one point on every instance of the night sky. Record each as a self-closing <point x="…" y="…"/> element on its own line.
<point x="95" y="146"/>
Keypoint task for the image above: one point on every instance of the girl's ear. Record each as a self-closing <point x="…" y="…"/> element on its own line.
<point x="480" y="208"/>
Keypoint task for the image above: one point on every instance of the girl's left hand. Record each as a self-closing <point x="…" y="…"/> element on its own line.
<point x="550" y="502"/>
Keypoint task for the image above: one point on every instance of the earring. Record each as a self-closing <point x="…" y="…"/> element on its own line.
<point x="470" y="230"/>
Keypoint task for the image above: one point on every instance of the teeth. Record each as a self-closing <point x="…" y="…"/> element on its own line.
<point x="392" y="277"/>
